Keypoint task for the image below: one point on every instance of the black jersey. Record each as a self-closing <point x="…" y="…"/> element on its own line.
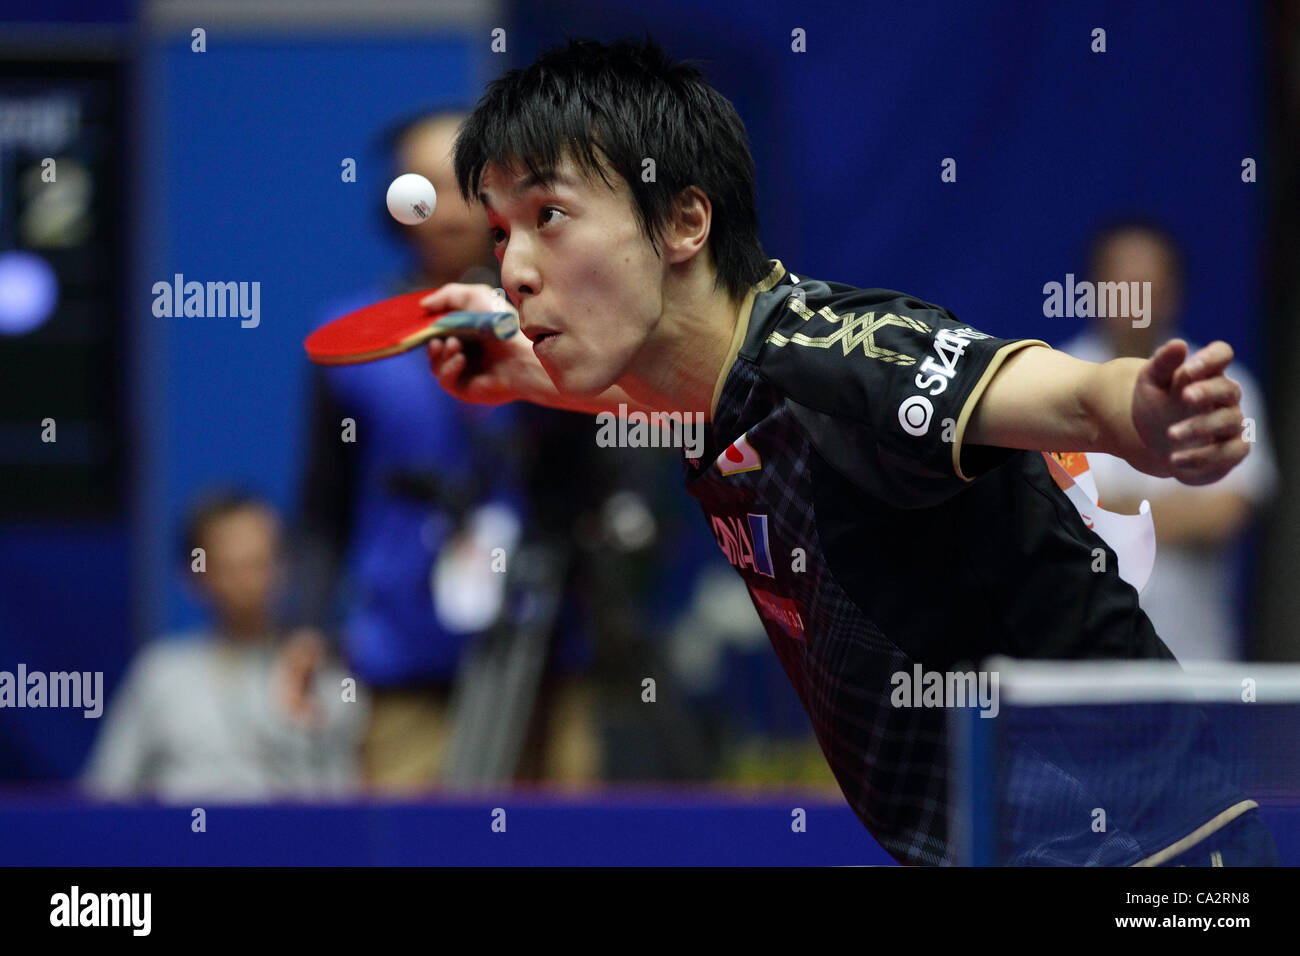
<point x="874" y="543"/>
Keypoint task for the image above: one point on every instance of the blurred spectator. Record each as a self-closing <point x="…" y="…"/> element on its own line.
<point x="1189" y="597"/>
<point x="239" y="711"/>
<point x="398" y="526"/>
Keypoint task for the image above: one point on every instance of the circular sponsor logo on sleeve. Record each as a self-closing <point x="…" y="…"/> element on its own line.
<point x="915" y="414"/>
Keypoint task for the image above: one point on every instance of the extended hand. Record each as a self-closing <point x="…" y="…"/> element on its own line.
<point x="1188" y="414"/>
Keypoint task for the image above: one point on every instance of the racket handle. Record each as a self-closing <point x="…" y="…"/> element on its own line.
<point x="500" y="325"/>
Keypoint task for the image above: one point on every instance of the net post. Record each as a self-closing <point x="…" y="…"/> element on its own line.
<point x="973" y="824"/>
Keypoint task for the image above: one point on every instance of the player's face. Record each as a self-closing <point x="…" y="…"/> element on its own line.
<point x="585" y="279"/>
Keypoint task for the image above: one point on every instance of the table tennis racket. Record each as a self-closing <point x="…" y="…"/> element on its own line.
<point x="398" y="325"/>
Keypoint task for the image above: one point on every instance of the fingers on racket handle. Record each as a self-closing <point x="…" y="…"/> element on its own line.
<point x="499" y="325"/>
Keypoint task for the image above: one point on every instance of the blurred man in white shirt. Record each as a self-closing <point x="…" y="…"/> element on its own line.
<point x="1189" y="596"/>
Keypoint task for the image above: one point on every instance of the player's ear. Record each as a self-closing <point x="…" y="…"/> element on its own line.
<point x="688" y="225"/>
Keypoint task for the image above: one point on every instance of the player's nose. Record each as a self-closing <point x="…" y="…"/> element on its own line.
<point x="519" y="274"/>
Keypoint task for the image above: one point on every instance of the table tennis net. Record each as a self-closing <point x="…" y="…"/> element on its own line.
<point x="1109" y="763"/>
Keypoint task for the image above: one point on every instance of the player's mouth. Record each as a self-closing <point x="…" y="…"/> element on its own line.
<point x="542" y="342"/>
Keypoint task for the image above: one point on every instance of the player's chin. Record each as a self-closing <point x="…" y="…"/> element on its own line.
<point x="579" y="385"/>
<point x="577" y="378"/>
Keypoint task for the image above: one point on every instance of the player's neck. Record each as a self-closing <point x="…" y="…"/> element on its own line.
<point x="678" y="367"/>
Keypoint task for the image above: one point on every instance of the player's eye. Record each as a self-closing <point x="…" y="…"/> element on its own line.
<point x="541" y="218"/>
<point x="496" y="234"/>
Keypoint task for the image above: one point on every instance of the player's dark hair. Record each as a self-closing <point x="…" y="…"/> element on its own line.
<point x="211" y="508"/>
<point x="1135" y="225"/>
<point x="625" y="102"/>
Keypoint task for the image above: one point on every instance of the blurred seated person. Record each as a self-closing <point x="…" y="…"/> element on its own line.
<point x="238" y="710"/>
<point x="1189" y="596"/>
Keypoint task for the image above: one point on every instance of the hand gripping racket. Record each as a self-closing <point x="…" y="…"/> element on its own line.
<point x="398" y="325"/>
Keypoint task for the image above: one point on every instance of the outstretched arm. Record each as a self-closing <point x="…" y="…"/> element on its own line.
<point x="1172" y="415"/>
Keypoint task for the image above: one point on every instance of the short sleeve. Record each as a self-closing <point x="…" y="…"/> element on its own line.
<point x="885" y="385"/>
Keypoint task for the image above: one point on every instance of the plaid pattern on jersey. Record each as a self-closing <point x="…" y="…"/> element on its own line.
<point x="889" y="762"/>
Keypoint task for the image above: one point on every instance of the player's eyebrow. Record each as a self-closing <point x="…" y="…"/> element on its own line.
<point x="545" y="178"/>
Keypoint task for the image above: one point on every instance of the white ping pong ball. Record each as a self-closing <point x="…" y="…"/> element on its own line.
<point x="411" y="199"/>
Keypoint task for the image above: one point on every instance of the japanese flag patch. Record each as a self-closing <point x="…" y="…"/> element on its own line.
<point x="739" y="457"/>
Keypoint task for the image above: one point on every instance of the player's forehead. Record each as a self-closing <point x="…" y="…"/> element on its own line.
<point x="512" y="181"/>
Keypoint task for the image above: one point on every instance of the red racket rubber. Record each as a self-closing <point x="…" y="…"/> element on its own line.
<point x="397" y="325"/>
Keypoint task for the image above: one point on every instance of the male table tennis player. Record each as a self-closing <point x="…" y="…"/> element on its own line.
<point x="874" y="468"/>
